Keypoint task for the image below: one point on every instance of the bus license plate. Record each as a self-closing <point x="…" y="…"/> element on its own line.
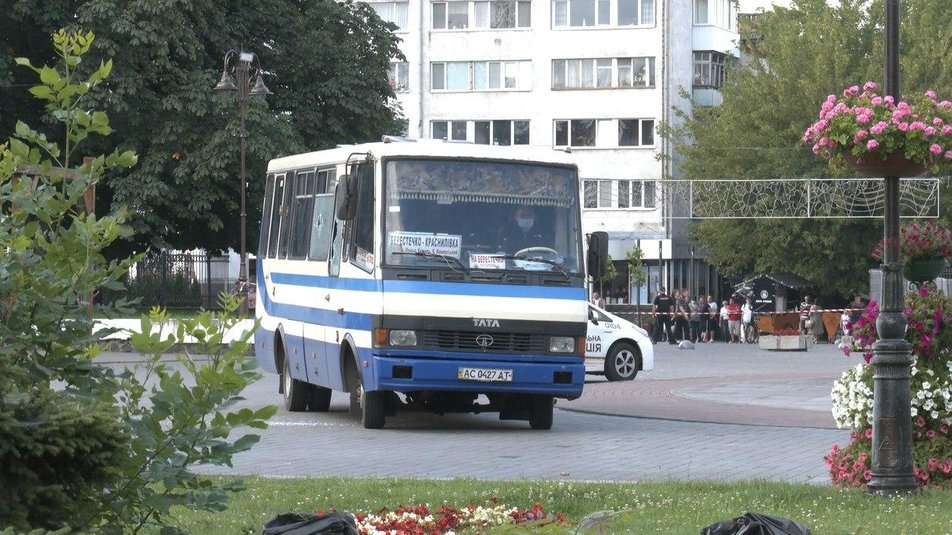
<point x="489" y="375"/>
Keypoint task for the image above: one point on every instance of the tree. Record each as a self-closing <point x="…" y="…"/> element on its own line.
<point x="610" y="273"/>
<point x="807" y="51"/>
<point x="81" y="446"/>
<point x="636" y="274"/>
<point x="325" y="61"/>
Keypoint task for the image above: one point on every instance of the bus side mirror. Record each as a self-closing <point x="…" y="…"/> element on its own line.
<point x="345" y="198"/>
<point x="598" y="254"/>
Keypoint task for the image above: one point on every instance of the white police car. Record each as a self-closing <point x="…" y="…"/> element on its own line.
<point x="615" y="347"/>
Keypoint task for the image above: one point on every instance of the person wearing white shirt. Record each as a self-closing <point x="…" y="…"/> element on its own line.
<point x="747" y="316"/>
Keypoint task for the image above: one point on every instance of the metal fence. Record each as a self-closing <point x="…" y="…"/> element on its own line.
<point x="176" y="279"/>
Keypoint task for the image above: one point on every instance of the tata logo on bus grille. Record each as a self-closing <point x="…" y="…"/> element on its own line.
<point x="479" y="322"/>
<point x="484" y="341"/>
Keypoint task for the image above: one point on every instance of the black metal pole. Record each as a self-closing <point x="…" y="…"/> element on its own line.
<point x="243" y="67"/>
<point x="892" y="417"/>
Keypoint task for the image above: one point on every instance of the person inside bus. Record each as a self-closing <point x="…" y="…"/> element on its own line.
<point x="522" y="231"/>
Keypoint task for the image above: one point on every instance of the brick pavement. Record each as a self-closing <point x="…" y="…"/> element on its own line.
<point x="722" y="412"/>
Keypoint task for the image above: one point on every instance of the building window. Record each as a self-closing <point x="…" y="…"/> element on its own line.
<point x="395" y="12"/>
<point x="619" y="193"/>
<point x="582" y="13"/>
<point x="700" y="12"/>
<point x="450" y="15"/>
<point x="635" y="132"/>
<point x="501" y="132"/>
<point x="481" y="75"/>
<point x="575" y="133"/>
<point x="603" y="73"/>
<point x="450" y="130"/>
<point x="499" y="14"/>
<point x="709" y="69"/>
<point x="398" y="74"/>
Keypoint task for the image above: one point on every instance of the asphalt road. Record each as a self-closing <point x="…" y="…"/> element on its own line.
<point x="720" y="411"/>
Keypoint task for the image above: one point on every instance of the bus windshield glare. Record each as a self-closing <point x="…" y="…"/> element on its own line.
<point x="481" y="215"/>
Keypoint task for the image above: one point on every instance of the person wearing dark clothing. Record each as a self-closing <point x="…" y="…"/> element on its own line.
<point x="521" y="232"/>
<point x="661" y="307"/>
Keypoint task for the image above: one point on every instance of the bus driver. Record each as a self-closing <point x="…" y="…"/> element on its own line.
<point x="521" y="232"/>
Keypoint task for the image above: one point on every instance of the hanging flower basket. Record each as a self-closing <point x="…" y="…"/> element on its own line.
<point x="923" y="269"/>
<point x="895" y="165"/>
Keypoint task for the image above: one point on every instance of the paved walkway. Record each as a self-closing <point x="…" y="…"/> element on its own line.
<point x="718" y="412"/>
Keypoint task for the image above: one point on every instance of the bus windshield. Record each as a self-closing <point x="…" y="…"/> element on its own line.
<point x="481" y="215"/>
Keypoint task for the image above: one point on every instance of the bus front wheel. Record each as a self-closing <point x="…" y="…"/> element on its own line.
<point x="295" y="392"/>
<point x="540" y="412"/>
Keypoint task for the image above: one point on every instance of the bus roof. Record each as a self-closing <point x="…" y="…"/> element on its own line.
<point x="423" y="148"/>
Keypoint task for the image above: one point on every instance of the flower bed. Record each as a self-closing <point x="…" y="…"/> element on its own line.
<point x="448" y="520"/>
<point x="929" y="330"/>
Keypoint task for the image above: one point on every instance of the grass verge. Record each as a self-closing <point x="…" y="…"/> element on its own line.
<point x="680" y="508"/>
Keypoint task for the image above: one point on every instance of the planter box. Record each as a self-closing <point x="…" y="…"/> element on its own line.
<point x="785" y="343"/>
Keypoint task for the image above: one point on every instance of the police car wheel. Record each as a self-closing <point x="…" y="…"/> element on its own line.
<point x="621" y="364"/>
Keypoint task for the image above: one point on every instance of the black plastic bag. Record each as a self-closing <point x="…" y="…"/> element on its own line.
<point x="311" y="524"/>
<point x="756" y="524"/>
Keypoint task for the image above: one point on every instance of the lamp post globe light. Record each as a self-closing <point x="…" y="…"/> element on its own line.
<point x="242" y="65"/>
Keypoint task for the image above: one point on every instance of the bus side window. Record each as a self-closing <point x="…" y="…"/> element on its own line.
<point x="363" y="234"/>
<point x="277" y="209"/>
<point x="266" y="217"/>
<point x="302" y="210"/>
<point x="321" y="226"/>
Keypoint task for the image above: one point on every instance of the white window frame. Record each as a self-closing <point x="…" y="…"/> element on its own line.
<point x="495" y="75"/>
<point x="493" y="126"/>
<point x="588" y="73"/>
<point x="452" y="130"/>
<point x="395" y="12"/>
<point x="608" y="194"/>
<point x="398" y="74"/>
<point x="570" y="125"/>
<point x="603" y="12"/>
<point x="642" y="124"/>
<point x="709" y="68"/>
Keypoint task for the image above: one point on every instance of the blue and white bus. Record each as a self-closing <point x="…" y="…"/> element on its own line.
<point x="392" y="271"/>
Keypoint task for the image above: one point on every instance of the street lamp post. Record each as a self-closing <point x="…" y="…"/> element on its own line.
<point x="241" y="63"/>
<point x="892" y="416"/>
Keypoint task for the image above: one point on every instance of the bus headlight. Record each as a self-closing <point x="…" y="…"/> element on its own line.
<point x="562" y="344"/>
<point x="403" y="338"/>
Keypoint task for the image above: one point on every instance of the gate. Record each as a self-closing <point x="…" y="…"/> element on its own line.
<point x="176" y="279"/>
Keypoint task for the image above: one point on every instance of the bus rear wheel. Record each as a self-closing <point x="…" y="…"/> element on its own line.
<point x="540" y="412"/>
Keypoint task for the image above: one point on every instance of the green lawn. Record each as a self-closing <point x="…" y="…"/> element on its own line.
<point x="680" y="508"/>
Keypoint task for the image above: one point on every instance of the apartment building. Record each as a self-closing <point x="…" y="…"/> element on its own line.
<point x="593" y="77"/>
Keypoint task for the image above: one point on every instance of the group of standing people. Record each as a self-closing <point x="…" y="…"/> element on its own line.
<point x="680" y="317"/>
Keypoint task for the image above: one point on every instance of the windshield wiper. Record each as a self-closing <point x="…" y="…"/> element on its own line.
<point x="450" y="260"/>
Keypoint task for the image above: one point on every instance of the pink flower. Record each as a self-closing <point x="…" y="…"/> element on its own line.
<point x="881" y="127"/>
<point x="860" y="135"/>
<point x="920" y="422"/>
<point x="932" y="463"/>
<point x="917" y="126"/>
<point x="862" y="118"/>
<point x="872" y="144"/>
<point x="850" y="91"/>
<point x="930" y="434"/>
<point x="945" y="105"/>
<point x="937" y="121"/>
<point x="877" y="101"/>
<point x="929" y="131"/>
<point x="948" y="155"/>
<point x="889" y="99"/>
<point x="944" y="429"/>
<point x="935" y="148"/>
<point x="870" y="86"/>
<point x="867" y="475"/>
<point x="903" y="127"/>
<point x="947" y="130"/>
<point x="931" y="94"/>
<point x="869" y="433"/>
<point x="831" y="98"/>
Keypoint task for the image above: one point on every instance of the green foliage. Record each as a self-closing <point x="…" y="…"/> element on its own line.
<point x="56" y="456"/>
<point x="80" y="445"/>
<point x="325" y="61"/>
<point x="808" y="51"/>
<point x="636" y="266"/>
